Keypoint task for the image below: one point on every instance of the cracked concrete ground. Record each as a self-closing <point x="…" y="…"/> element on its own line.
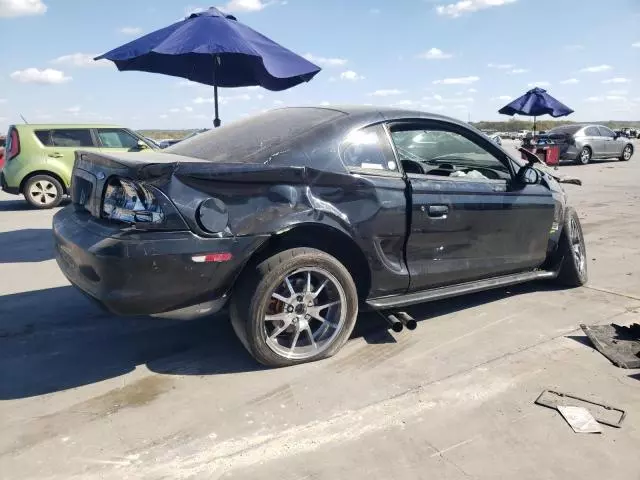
<point x="87" y="395"/>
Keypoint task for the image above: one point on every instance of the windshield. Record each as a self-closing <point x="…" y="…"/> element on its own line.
<point x="251" y="140"/>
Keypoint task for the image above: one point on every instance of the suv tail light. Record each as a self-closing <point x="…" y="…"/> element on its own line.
<point x="13" y="145"/>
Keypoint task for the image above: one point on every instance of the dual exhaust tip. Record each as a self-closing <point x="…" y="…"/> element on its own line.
<point x="400" y="320"/>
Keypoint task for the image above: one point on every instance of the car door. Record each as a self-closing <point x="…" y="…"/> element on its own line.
<point x="595" y="141"/>
<point x="62" y="144"/>
<point x="612" y="144"/>
<point x="118" y="140"/>
<point x="469" y="217"/>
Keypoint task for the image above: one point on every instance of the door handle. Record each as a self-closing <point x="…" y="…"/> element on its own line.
<point x="436" y="211"/>
<point x="56" y="155"/>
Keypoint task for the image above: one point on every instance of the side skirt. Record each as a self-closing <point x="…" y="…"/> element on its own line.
<point x="440" y="293"/>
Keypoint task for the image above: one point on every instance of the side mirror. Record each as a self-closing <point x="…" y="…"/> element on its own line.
<point x="528" y="176"/>
<point x="142" y="145"/>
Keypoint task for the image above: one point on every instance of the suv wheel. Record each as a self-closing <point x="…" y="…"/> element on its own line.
<point x="298" y="306"/>
<point x="627" y="153"/>
<point x="43" y="191"/>
<point x="584" y="157"/>
<point x="573" y="272"/>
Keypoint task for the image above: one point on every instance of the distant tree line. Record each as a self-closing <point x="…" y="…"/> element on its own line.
<point x="515" y="125"/>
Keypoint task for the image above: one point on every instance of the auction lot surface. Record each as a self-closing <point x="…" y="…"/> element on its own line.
<point x="87" y="395"/>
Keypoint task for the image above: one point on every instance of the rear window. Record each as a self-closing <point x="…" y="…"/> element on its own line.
<point x="69" y="137"/>
<point x="45" y="137"/>
<point x="566" y="129"/>
<point x="247" y="141"/>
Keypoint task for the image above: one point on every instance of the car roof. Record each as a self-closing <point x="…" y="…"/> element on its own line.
<point x="65" y="125"/>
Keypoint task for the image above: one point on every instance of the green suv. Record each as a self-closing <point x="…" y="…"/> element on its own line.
<point x="39" y="158"/>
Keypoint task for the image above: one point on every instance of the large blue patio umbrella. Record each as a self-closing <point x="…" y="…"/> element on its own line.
<point x="214" y="49"/>
<point x="534" y="103"/>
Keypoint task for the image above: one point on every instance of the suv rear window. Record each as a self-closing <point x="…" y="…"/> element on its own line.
<point x="66" y="137"/>
<point x="244" y="141"/>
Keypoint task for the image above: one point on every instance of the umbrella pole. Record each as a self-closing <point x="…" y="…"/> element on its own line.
<point x="534" y="125"/>
<point x="216" y="119"/>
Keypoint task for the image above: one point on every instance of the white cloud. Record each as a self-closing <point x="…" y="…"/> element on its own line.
<point x="33" y="75"/>
<point x="403" y="103"/>
<point x="594" y="99"/>
<point x="570" y="81"/>
<point x="461" y="7"/>
<point x="615" y="98"/>
<point x="457" y="81"/>
<point x="325" y="61"/>
<point x="503" y="98"/>
<point x="435" y="54"/>
<point x="174" y="110"/>
<point x="538" y="84"/>
<point x="636" y="45"/>
<point x="517" y="71"/>
<point x="500" y="66"/>
<point x="374" y="11"/>
<point x="455" y="100"/>
<point x="617" y="80"/>
<point x="617" y="92"/>
<point x="597" y="69"/>
<point x="472" y="90"/>
<point x="386" y="92"/>
<point x="74" y="110"/>
<point x="188" y="109"/>
<point x="80" y="60"/>
<point x="19" y="8"/>
<point x="351" y="76"/>
<point x="234" y="6"/>
<point x="573" y="48"/>
<point x="222" y="99"/>
<point x="130" y="30"/>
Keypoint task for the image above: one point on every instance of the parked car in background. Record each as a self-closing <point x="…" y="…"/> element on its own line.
<point x="39" y="158"/>
<point x="299" y="216"/>
<point x="167" y="142"/>
<point x="2" y="143"/>
<point x="582" y="143"/>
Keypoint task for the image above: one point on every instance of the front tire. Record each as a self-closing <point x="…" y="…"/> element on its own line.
<point x="627" y="153"/>
<point x="572" y="250"/>
<point x="584" y="157"/>
<point x="43" y="192"/>
<point x="298" y="306"/>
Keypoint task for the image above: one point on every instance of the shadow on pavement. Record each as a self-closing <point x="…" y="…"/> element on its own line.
<point x="28" y="245"/>
<point x="21" y="205"/>
<point x="56" y="339"/>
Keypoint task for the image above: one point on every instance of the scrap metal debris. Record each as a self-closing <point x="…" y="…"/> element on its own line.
<point x="580" y="419"/>
<point x="618" y="343"/>
<point x="602" y="413"/>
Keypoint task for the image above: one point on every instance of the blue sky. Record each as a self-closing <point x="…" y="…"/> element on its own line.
<point x="463" y="58"/>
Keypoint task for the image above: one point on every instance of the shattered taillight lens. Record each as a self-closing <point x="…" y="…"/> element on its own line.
<point x="131" y="202"/>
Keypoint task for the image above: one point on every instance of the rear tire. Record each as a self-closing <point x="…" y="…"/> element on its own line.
<point x="43" y="192"/>
<point x="287" y="288"/>
<point x="627" y="153"/>
<point x="572" y="250"/>
<point x="584" y="157"/>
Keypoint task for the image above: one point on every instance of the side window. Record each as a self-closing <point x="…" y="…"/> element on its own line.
<point x="45" y="137"/>
<point x="592" y="132"/>
<point x="71" y="137"/>
<point x="445" y="153"/>
<point x="606" y="132"/>
<point x="368" y="148"/>
<point x="117" y="138"/>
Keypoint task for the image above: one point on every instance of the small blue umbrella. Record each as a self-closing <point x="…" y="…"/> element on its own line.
<point x="534" y="103"/>
<point x="214" y="49"/>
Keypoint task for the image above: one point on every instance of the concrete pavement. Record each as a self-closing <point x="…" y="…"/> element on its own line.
<point x="87" y="395"/>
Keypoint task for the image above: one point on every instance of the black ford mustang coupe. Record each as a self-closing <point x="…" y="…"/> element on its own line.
<point x="298" y="217"/>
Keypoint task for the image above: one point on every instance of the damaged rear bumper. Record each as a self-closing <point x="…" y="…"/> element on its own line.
<point x="145" y="272"/>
